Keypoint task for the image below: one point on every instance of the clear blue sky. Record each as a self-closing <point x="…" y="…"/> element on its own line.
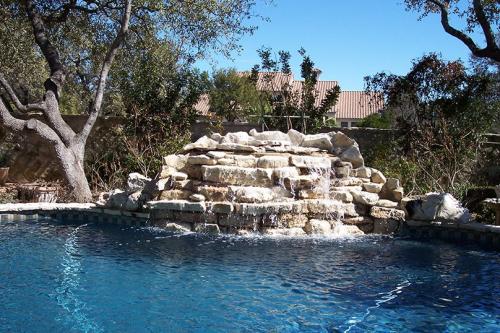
<point x="347" y="39"/>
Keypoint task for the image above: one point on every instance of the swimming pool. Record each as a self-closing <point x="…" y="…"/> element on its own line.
<point x="65" y="277"/>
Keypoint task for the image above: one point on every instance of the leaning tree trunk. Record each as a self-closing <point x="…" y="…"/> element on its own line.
<point x="72" y="164"/>
<point x="69" y="145"/>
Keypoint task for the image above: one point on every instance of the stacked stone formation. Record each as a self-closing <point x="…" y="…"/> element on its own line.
<point x="275" y="183"/>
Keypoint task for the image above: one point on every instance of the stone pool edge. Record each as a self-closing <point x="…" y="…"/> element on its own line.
<point x="471" y="232"/>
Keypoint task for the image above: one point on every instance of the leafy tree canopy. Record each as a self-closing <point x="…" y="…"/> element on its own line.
<point x="478" y="17"/>
<point x="293" y="105"/>
<point x="233" y="95"/>
<point x="442" y="111"/>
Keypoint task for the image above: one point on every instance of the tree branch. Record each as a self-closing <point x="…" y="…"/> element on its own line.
<point x="13" y="97"/>
<point x="106" y="66"/>
<point x="491" y="51"/>
<point x="48" y="50"/>
<point x="485" y="25"/>
<point x="18" y="125"/>
<point x="452" y="31"/>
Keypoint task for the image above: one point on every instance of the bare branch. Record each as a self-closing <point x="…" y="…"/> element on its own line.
<point x="106" y="66"/>
<point x="13" y="97"/>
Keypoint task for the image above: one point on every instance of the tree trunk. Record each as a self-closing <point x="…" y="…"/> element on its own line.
<point x="72" y="165"/>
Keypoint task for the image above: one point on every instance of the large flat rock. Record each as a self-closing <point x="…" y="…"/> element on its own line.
<point x="233" y="175"/>
<point x="177" y="205"/>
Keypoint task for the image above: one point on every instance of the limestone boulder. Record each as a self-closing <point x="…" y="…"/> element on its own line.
<point x="116" y="199"/>
<point x="133" y="202"/>
<point x="372" y="187"/>
<point x="203" y="143"/>
<point x="365" y="198"/>
<point x="387" y="213"/>
<point x="342" y="171"/>
<point x="216" y="154"/>
<point x="178" y="227"/>
<point x="378" y="177"/>
<point x="238" y="147"/>
<point x="234" y="175"/>
<point x="270" y="136"/>
<point x="136" y="182"/>
<point x="321" y="141"/>
<point x="386" y="203"/>
<point x="295" y="137"/>
<point x="437" y="206"/>
<point x="324" y="206"/>
<point x="281" y="193"/>
<point x="291" y="232"/>
<point x="273" y="162"/>
<point x="197" y="197"/>
<point x="179" y="176"/>
<point x="342" y="230"/>
<point x="360" y="220"/>
<point x="318" y="227"/>
<point x="201" y="160"/>
<point x="340" y="140"/>
<point x="292" y="220"/>
<point x="226" y="161"/>
<point x="245" y="161"/>
<point x="392" y="184"/>
<point x="287" y="172"/>
<point x="353" y="155"/>
<point x="310" y="162"/>
<point x="363" y="172"/>
<point x="216" y="137"/>
<point x="250" y="194"/>
<point x="315" y="193"/>
<point x="398" y="194"/>
<point x="237" y="137"/>
<point x="175" y="195"/>
<point x="221" y="207"/>
<point x="344" y="196"/>
<point x="213" y="193"/>
<point x="207" y="228"/>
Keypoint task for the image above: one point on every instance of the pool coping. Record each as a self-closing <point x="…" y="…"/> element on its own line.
<point x="471" y="232"/>
<point x="73" y="211"/>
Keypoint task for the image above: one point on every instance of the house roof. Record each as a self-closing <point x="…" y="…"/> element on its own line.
<point x="357" y="105"/>
<point x="202" y="107"/>
<point x="351" y="104"/>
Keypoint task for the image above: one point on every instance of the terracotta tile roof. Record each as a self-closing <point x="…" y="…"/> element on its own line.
<point x="357" y="105"/>
<point x="351" y="104"/>
<point x="203" y="105"/>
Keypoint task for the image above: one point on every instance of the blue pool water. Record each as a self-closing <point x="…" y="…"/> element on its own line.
<point x="91" y="278"/>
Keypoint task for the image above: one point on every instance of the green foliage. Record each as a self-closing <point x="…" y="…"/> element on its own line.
<point x="377" y="120"/>
<point x="159" y="97"/>
<point x="290" y="105"/>
<point x="82" y="30"/>
<point x="441" y="112"/>
<point x="233" y="96"/>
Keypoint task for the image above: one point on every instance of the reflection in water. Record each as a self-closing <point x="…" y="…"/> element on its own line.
<point x="66" y="293"/>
